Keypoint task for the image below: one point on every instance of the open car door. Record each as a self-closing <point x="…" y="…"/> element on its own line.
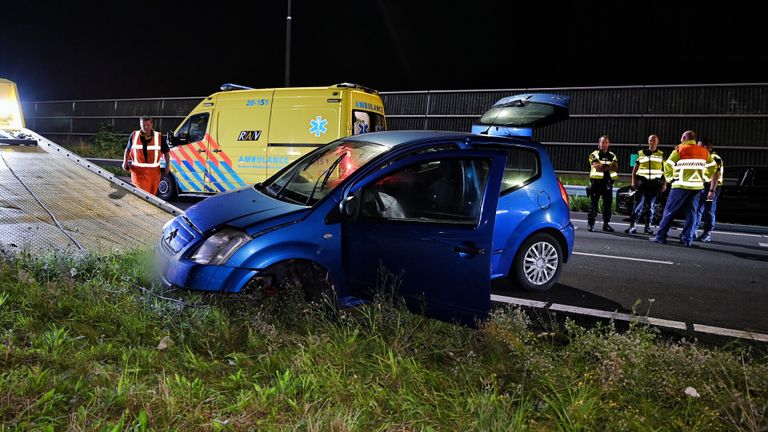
<point x="422" y="227"/>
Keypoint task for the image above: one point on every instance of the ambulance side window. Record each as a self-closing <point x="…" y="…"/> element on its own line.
<point x="192" y="130"/>
<point x="197" y="127"/>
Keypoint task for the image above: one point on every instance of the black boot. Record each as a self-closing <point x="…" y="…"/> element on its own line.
<point x="607" y="227"/>
<point x="648" y="230"/>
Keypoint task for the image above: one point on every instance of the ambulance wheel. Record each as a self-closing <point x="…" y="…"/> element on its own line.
<point x="167" y="190"/>
<point x="538" y="263"/>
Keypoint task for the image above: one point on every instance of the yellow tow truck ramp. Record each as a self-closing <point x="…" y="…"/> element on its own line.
<point x="52" y="199"/>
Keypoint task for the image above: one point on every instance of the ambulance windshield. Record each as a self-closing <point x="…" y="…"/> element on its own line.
<point x="310" y="179"/>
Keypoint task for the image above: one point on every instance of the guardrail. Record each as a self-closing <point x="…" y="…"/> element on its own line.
<point x="734" y="116"/>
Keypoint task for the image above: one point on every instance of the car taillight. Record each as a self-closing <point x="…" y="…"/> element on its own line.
<point x="563" y="193"/>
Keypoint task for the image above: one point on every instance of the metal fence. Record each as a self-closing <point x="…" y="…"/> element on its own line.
<point x="734" y="116"/>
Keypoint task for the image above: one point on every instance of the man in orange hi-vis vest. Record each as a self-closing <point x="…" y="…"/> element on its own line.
<point x="142" y="156"/>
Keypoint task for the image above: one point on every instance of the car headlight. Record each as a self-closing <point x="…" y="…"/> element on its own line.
<point x="217" y="248"/>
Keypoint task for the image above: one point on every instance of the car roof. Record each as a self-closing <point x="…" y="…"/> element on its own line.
<point x="397" y="138"/>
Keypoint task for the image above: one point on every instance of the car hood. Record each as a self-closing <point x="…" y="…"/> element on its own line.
<point x="240" y="208"/>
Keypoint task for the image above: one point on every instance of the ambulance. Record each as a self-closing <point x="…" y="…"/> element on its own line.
<point x="242" y="136"/>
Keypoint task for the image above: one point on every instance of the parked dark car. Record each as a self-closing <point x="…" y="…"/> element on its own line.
<point x="743" y="199"/>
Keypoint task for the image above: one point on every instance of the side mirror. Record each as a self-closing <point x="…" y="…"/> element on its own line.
<point x="181" y="139"/>
<point x="348" y="206"/>
<point x="170" y="139"/>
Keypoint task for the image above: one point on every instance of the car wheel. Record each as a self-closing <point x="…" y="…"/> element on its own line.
<point x="538" y="263"/>
<point x="167" y="190"/>
<point x="305" y="279"/>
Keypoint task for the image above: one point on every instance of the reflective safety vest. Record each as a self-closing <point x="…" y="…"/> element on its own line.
<point x="712" y="167"/>
<point x="153" y="151"/>
<point x="607" y="158"/>
<point x="687" y="165"/>
<point x="650" y="166"/>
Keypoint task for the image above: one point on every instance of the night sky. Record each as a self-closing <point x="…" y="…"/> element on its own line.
<point x="100" y="50"/>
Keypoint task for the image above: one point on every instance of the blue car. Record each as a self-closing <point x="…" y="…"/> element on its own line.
<point x="443" y="212"/>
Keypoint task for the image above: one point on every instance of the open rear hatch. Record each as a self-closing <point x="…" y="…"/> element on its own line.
<point x="518" y="115"/>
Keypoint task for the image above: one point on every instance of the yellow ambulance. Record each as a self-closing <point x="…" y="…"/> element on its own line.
<point x="241" y="136"/>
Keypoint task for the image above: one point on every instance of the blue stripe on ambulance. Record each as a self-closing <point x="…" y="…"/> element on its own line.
<point x="233" y="174"/>
<point x="191" y="169"/>
<point x="210" y="177"/>
<point x="220" y="174"/>
<point x="180" y="170"/>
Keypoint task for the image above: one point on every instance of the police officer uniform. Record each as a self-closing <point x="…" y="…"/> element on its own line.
<point x="650" y="177"/>
<point x="706" y="216"/>
<point x="685" y="169"/>
<point x="601" y="186"/>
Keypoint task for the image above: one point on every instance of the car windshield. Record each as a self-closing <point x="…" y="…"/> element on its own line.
<point x="310" y="179"/>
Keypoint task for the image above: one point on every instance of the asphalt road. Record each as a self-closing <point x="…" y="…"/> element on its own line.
<point x="723" y="283"/>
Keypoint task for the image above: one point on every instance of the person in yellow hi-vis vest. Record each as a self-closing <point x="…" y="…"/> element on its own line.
<point x="142" y="156"/>
<point x="685" y="169"/>
<point x="647" y="182"/>
<point x="713" y="181"/>
<point x="603" y="172"/>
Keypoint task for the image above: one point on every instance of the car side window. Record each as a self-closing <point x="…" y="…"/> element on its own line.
<point x="760" y="178"/>
<point x="438" y="191"/>
<point x="734" y="177"/>
<point x="522" y="167"/>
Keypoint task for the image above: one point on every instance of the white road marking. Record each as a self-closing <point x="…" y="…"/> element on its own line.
<point x="658" y="322"/>
<point x="713" y="232"/>
<point x="737" y="234"/>
<point x="612" y="223"/>
<point x="730" y="332"/>
<point x="763" y="245"/>
<point x="618" y="316"/>
<point x="624" y="258"/>
<point x="517" y="301"/>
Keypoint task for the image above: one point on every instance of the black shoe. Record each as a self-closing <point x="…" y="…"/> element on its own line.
<point x="705" y="237"/>
<point x="608" y="228"/>
<point x="648" y="230"/>
<point x="591" y="228"/>
<point x="655" y="240"/>
<point x="631" y="229"/>
<point x="686" y="244"/>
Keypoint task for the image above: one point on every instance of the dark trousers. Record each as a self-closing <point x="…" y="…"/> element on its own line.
<point x="600" y="189"/>
<point x="706" y="216"/>
<point x="688" y="200"/>
<point x="647" y="192"/>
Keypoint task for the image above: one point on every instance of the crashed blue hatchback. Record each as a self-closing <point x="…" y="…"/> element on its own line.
<point x="445" y="212"/>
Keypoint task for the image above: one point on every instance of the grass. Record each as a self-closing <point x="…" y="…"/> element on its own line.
<point x="583" y="203"/>
<point x="583" y="180"/>
<point x="80" y="350"/>
<point x="104" y="144"/>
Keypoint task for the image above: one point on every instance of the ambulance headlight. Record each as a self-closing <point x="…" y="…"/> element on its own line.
<point x="217" y="248"/>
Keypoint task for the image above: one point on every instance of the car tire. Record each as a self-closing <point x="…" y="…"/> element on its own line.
<point x="314" y="282"/>
<point x="167" y="190"/>
<point x="538" y="263"/>
<point x="310" y="280"/>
